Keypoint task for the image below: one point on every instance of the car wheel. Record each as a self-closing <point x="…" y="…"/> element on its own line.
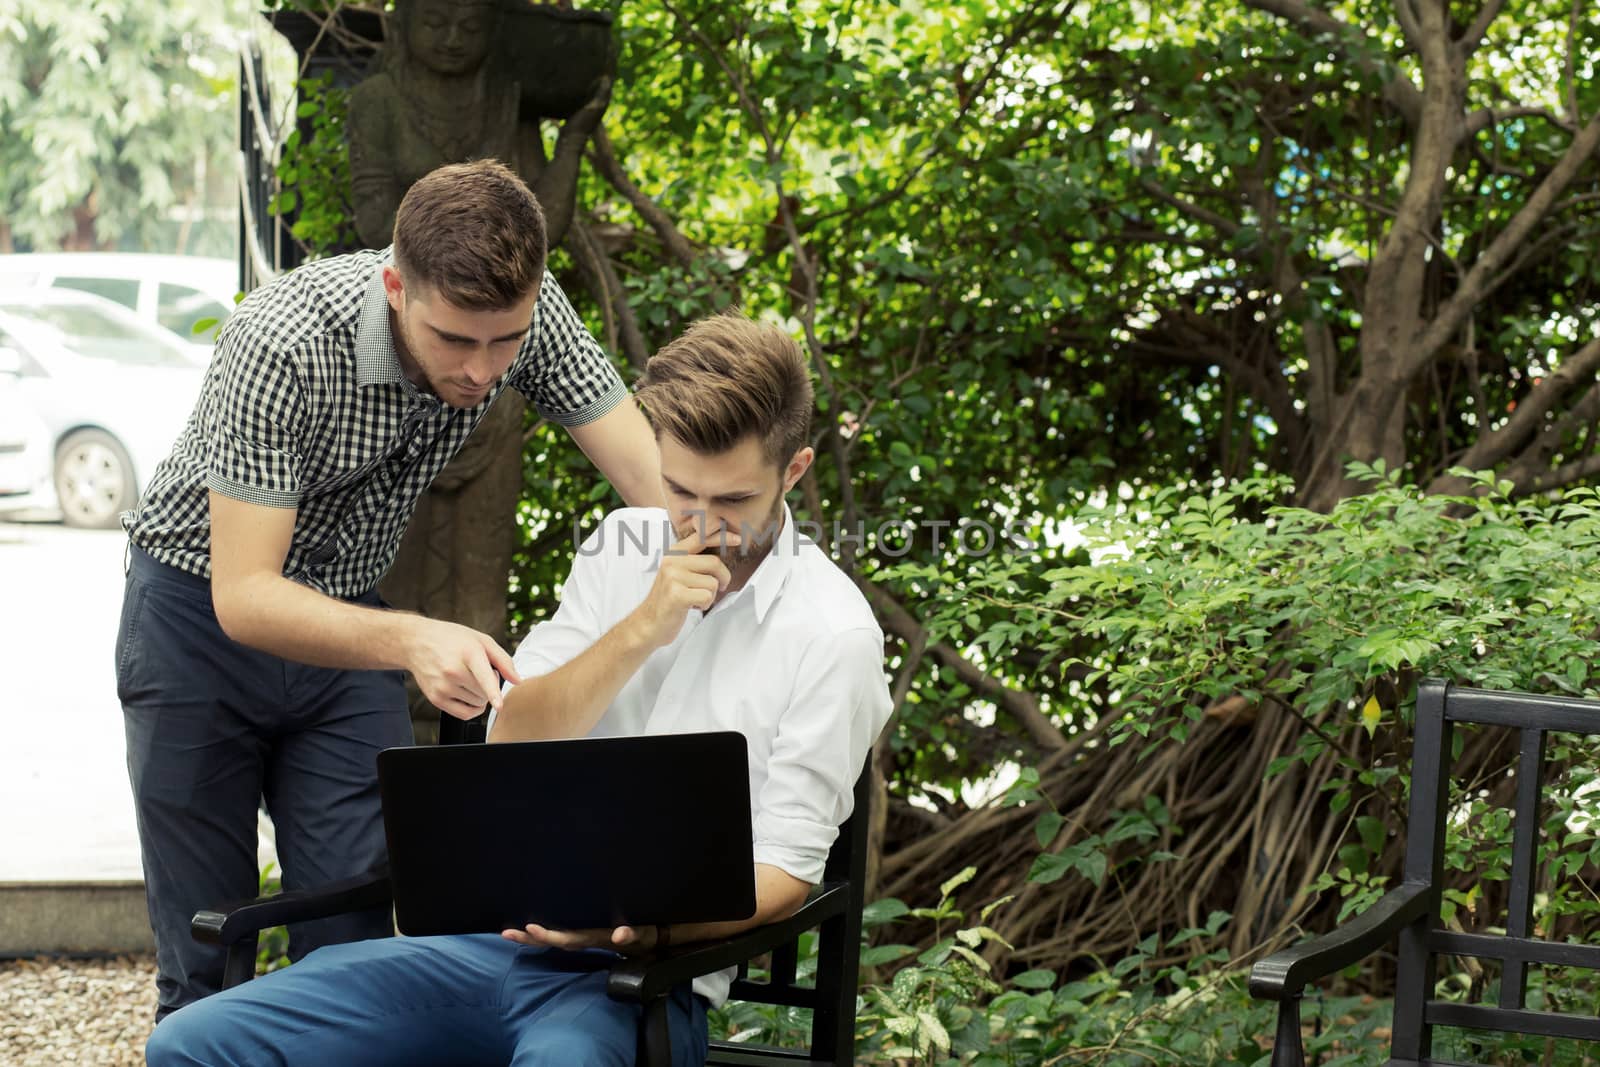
<point x="94" y="480"/>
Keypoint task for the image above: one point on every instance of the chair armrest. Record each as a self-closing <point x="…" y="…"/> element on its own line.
<point x="641" y="979"/>
<point x="1284" y="974"/>
<point x="233" y="922"/>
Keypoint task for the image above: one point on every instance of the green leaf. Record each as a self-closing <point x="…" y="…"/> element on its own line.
<point x="882" y="911"/>
<point x="1047" y="827"/>
<point x="878" y="955"/>
<point x="933" y="1030"/>
<point x="950" y="885"/>
<point x="1048" y="867"/>
<point x="1036" y="979"/>
<point x="1374" y="833"/>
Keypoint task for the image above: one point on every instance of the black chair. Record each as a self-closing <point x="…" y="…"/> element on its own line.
<point x="833" y="908"/>
<point x="1410" y="912"/>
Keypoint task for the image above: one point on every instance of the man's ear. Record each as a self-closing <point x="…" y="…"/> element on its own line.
<point x="798" y="465"/>
<point x="394" y="288"/>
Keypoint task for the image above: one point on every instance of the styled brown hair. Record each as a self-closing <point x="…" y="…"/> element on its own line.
<point x="472" y="232"/>
<point x="726" y="378"/>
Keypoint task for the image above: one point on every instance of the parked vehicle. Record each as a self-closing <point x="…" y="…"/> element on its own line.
<point x="24" y="440"/>
<point x="112" y="391"/>
<point x="173" y="292"/>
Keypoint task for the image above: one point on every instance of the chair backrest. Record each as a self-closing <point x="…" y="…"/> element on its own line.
<point x="454" y="731"/>
<point x="1439" y="707"/>
<point x="833" y="998"/>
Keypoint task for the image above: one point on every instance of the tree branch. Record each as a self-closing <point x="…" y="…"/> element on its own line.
<point x="1493" y="446"/>
<point x="1533" y="464"/>
<point x="1218" y="222"/>
<point x="605" y="160"/>
<point x="1273" y="395"/>
<point x="608" y="292"/>
<point x="1483" y="118"/>
<point x="1024" y="24"/>
<point x="1398" y="92"/>
<point x="819" y="359"/>
<point x="1480" y="24"/>
<point x="1410" y="23"/>
<point x="1566" y="474"/>
<point x="1485" y="272"/>
<point x="1022" y="707"/>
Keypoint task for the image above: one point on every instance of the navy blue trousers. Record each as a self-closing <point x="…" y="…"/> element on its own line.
<point x="213" y="727"/>
<point x="460" y="1001"/>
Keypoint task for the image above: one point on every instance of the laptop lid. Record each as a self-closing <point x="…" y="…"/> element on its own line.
<point x="594" y="832"/>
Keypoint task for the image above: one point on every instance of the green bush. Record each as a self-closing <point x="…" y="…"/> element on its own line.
<point x="1177" y="601"/>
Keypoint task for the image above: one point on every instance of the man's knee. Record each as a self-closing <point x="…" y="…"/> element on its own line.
<point x="560" y="1045"/>
<point x="191" y="1037"/>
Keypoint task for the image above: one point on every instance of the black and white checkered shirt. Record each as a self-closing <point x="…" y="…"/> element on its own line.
<point x="305" y="406"/>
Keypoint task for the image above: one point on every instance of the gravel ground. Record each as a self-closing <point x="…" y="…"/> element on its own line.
<point x="75" y="1011"/>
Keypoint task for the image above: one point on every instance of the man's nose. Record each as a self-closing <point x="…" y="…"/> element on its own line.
<point x="700" y="515"/>
<point x="480" y="368"/>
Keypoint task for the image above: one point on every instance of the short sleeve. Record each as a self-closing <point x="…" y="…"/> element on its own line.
<point x="839" y="704"/>
<point x="567" y="376"/>
<point x="258" y="425"/>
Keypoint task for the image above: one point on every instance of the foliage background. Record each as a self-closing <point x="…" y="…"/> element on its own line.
<point x="117" y="125"/>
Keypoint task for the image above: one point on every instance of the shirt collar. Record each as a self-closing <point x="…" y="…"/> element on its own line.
<point x="377" y="362"/>
<point x="773" y="574"/>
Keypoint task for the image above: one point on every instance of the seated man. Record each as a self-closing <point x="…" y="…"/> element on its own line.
<point x="714" y="615"/>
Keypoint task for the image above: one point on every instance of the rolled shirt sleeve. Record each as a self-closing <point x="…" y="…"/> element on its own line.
<point x="569" y="379"/>
<point x="258" y="426"/>
<point x="839" y="704"/>
<point x="576" y="625"/>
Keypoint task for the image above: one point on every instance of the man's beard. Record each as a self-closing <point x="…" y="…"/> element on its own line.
<point x="423" y="383"/>
<point x="749" y="552"/>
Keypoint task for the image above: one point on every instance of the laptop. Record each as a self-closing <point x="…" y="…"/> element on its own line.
<point x="595" y="832"/>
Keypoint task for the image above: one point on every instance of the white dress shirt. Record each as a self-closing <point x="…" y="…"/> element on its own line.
<point x="793" y="660"/>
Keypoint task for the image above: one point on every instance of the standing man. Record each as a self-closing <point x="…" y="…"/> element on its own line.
<point x="253" y="657"/>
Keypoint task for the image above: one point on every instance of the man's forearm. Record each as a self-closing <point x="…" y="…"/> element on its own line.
<point x="569" y="700"/>
<point x="779" y="895"/>
<point x="622" y="447"/>
<point x="283" y="617"/>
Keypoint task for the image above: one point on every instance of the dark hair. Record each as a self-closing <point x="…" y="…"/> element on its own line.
<point x="726" y="378"/>
<point x="474" y="233"/>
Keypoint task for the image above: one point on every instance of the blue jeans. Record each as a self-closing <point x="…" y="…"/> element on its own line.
<point x="213" y="728"/>
<point x="459" y="1001"/>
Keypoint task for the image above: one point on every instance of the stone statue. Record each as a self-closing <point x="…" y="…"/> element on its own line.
<point x="440" y="97"/>
<point x="447" y="91"/>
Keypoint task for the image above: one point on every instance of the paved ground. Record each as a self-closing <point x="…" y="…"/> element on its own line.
<point x="64" y="795"/>
<point x="66" y="813"/>
<point x="58" y="1011"/>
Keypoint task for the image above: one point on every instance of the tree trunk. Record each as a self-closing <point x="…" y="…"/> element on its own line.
<point x="1371" y="422"/>
<point x="82" y="238"/>
<point x="454" y="561"/>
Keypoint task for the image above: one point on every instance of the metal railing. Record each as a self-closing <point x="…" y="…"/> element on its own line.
<point x="265" y="247"/>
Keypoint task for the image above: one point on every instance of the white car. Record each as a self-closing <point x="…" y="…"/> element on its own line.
<point x="173" y="292"/>
<point x="112" y="392"/>
<point x="24" y="444"/>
